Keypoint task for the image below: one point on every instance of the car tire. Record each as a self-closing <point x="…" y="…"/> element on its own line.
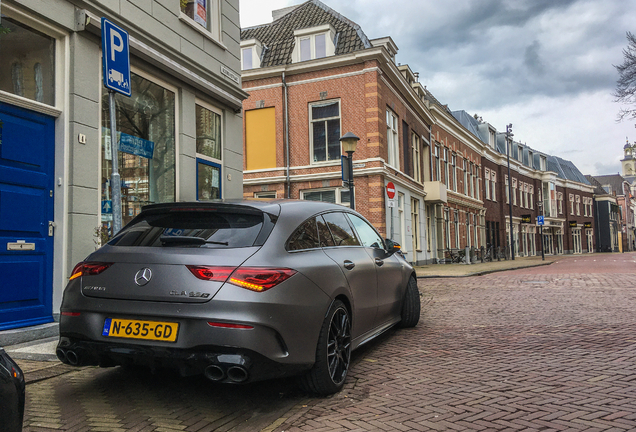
<point x="333" y="353"/>
<point x="410" y="305"/>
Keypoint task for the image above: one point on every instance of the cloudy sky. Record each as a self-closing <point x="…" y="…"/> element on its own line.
<point x="546" y="66"/>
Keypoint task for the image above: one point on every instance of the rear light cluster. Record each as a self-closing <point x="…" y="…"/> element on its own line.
<point x="257" y="279"/>
<point x="89" y="269"/>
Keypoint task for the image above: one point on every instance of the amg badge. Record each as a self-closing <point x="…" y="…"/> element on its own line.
<point x="189" y="294"/>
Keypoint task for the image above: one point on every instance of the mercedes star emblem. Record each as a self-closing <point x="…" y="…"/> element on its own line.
<point x="143" y="276"/>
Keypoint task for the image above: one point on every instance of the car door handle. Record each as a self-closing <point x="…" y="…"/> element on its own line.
<point x="349" y="265"/>
<point x="379" y="262"/>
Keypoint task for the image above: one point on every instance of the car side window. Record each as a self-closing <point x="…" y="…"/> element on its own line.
<point x="368" y="236"/>
<point x="305" y="236"/>
<point x="340" y="229"/>
<point x="326" y="240"/>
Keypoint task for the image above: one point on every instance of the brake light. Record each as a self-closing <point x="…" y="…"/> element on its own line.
<point x="218" y="274"/>
<point x="88" y="269"/>
<point x="260" y="279"/>
<point x="230" y="325"/>
<point x="71" y="314"/>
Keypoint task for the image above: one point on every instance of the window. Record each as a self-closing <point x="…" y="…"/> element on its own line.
<point x="438" y="168"/>
<point x="209" y="151"/>
<point x="560" y="204"/>
<point x="456" y="229"/>
<point x="332" y="195"/>
<point x="146" y="128"/>
<point x="324" y="133"/>
<point x="341" y="231"/>
<point x="305" y="237"/>
<point x="493" y="177"/>
<point x="265" y="195"/>
<point x="454" y="159"/>
<point x="447" y="227"/>
<point x="572" y="204"/>
<point x="393" y="143"/>
<point x="514" y="191"/>
<point x="487" y="182"/>
<point x="415" y="223"/>
<point x="246" y="58"/>
<point x="578" y="205"/>
<point x="520" y="153"/>
<point x="28" y="62"/>
<point x="313" y="43"/>
<point x="367" y="235"/>
<point x="465" y="177"/>
<point x="473" y="172"/>
<point x="251" y="51"/>
<point x="202" y="14"/>
<point x="478" y="182"/>
<point x="446" y="172"/>
<point x="585" y="206"/>
<point x="417" y="162"/>
<point x="531" y="196"/>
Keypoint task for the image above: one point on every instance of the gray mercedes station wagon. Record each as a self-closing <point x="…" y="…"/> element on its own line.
<point x="238" y="291"/>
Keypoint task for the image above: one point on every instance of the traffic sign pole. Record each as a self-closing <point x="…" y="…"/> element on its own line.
<point x="115" y="180"/>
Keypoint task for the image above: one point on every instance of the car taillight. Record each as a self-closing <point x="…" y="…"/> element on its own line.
<point x="89" y="269"/>
<point x="71" y="314"/>
<point x="211" y="273"/>
<point x="230" y="325"/>
<point x="260" y="279"/>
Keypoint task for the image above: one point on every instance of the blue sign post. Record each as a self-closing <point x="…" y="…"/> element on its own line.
<point x="540" y="220"/>
<point x="116" y="74"/>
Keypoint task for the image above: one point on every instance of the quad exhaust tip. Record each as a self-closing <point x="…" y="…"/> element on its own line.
<point x="214" y="373"/>
<point x="237" y="374"/>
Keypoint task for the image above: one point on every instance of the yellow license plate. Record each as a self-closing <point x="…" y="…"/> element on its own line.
<point x="136" y="329"/>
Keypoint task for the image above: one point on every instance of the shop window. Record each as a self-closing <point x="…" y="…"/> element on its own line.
<point x="202" y="15"/>
<point x="209" y="152"/>
<point x="146" y="136"/>
<point x="324" y="134"/>
<point x="27" y="68"/>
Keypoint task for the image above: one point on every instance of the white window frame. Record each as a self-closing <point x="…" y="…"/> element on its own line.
<point x="514" y="191"/>
<point x="438" y="169"/>
<point x="493" y="177"/>
<point x="393" y="139"/>
<point x="338" y="194"/>
<point x="415" y="223"/>
<point x="507" y="192"/>
<point x="266" y="194"/>
<point x="310" y="34"/>
<point x="466" y="177"/>
<point x="456" y="222"/>
<point x="446" y="172"/>
<point x="311" y="131"/>
<point x="417" y="162"/>
<point x="212" y="30"/>
<point x="571" y="204"/>
<point x="454" y="165"/>
<point x="254" y="49"/>
<point x="578" y="205"/>
<point x="531" y="196"/>
<point x="487" y="183"/>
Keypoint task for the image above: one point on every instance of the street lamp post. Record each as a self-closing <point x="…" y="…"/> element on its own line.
<point x="509" y="136"/>
<point x="349" y="142"/>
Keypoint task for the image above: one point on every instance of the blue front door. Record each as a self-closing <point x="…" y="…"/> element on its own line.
<point x="27" y="145"/>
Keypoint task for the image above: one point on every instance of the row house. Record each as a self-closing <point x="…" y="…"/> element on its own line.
<point x="607" y="221"/>
<point x="179" y="132"/>
<point x="538" y="185"/>
<point x="312" y="75"/>
<point x="619" y="187"/>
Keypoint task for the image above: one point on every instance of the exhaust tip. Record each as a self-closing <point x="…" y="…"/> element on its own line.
<point x="61" y="355"/>
<point x="72" y="358"/>
<point x="214" y="373"/>
<point x="237" y="374"/>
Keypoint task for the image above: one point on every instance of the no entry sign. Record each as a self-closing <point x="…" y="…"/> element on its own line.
<point x="390" y="190"/>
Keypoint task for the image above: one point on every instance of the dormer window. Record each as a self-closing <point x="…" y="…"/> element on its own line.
<point x="314" y="43"/>
<point x="251" y="51"/>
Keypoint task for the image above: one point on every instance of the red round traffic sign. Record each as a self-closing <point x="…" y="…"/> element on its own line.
<point x="390" y="190"/>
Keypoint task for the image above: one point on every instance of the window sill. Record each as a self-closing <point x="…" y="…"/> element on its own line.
<point x="198" y="27"/>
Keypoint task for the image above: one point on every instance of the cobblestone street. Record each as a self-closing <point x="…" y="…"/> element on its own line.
<point x="543" y="348"/>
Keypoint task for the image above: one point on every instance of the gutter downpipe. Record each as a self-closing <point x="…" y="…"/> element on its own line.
<point x="287" y="177"/>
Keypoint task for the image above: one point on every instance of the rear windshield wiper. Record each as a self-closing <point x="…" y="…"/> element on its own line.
<point x="185" y="240"/>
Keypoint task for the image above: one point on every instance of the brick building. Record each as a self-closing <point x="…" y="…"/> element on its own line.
<point x="312" y="76"/>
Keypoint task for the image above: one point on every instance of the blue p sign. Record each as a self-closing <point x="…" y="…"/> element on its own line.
<point x="115" y="58"/>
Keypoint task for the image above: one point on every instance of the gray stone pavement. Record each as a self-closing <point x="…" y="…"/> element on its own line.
<point x="541" y="348"/>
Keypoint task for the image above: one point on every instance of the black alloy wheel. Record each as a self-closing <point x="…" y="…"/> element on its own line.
<point x="333" y="353"/>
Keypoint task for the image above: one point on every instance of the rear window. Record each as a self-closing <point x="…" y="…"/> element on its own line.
<point x="201" y="228"/>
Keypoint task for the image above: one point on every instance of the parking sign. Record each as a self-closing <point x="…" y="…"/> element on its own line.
<point x="115" y="58"/>
<point x="540" y="220"/>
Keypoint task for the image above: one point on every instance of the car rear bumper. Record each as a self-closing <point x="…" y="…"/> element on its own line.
<point x="217" y="363"/>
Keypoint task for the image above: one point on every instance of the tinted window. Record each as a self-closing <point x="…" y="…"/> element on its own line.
<point x="368" y="236"/>
<point x="340" y="229"/>
<point x="305" y="236"/>
<point x="205" y="228"/>
<point x="326" y="240"/>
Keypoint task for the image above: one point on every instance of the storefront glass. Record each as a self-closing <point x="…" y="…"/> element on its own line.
<point x="27" y="68"/>
<point x="146" y="133"/>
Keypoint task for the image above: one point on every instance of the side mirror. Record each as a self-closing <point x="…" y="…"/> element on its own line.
<point x="392" y="247"/>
